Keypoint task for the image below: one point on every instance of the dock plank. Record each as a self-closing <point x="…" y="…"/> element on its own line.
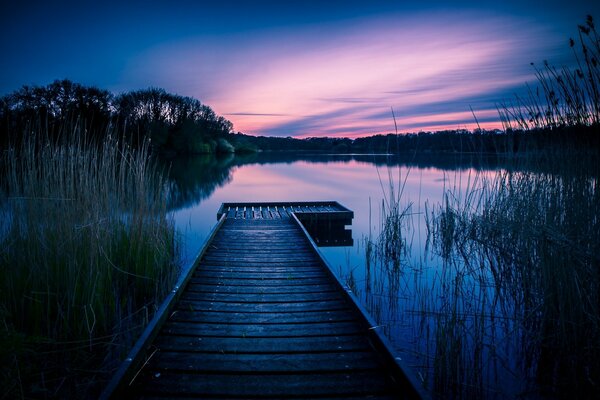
<point x="261" y="316"/>
<point x="261" y="297"/>
<point x="260" y="282"/>
<point x="193" y="305"/>
<point x="250" y="345"/>
<point x="252" y="385"/>
<point x="241" y="274"/>
<point x="266" y="363"/>
<point x="261" y="268"/>
<point x="202" y="287"/>
<point x="263" y="330"/>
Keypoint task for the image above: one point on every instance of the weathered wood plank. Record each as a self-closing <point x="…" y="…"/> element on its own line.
<point x="257" y="259"/>
<point x="263" y="330"/>
<point x="241" y="264"/>
<point x="369" y="397"/>
<point x="262" y="254"/>
<point x="262" y="237"/>
<point x="262" y="318"/>
<point x="260" y="345"/>
<point x="260" y="264"/>
<point x="260" y="282"/>
<point x="201" y="287"/>
<point x="262" y="275"/>
<point x="254" y="227"/>
<point x="260" y="268"/>
<point x="266" y="363"/>
<point x="259" y="248"/>
<point x="251" y="226"/>
<point x="182" y="315"/>
<point x="261" y="297"/>
<point x="193" y="305"/>
<point x="227" y="385"/>
<point x="236" y="246"/>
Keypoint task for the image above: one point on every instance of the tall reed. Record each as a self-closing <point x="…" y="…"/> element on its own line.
<point x="534" y="239"/>
<point x="566" y="97"/>
<point x="86" y="251"/>
<point x="505" y="300"/>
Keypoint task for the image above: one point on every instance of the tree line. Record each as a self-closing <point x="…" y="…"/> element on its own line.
<point x="510" y="141"/>
<point x="172" y="123"/>
<point x="177" y="125"/>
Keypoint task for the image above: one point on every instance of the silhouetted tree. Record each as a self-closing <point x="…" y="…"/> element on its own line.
<point x="55" y="110"/>
<point x="173" y="123"/>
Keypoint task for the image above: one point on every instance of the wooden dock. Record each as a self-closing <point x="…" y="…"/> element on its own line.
<point x="261" y="315"/>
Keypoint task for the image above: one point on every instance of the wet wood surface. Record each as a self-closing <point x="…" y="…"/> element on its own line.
<point x="261" y="317"/>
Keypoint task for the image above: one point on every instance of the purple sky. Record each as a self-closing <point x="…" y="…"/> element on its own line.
<point x="301" y="68"/>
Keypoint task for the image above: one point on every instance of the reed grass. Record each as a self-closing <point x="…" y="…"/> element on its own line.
<point x="505" y="300"/>
<point x="86" y="251"/>
<point x="568" y="96"/>
<point x="530" y="245"/>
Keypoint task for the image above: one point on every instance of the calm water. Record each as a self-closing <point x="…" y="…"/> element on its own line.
<point x="410" y="301"/>
<point x="357" y="182"/>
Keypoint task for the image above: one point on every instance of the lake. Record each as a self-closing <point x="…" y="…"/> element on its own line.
<point x="444" y="310"/>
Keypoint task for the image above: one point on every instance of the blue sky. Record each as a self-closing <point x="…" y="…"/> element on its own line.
<point x="306" y="68"/>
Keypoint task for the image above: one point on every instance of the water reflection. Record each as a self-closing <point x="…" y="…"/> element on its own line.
<point x="327" y="232"/>
<point x="193" y="179"/>
<point x="450" y="309"/>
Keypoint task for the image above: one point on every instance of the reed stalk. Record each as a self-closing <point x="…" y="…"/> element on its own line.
<point x="86" y="251"/>
<point x="565" y="97"/>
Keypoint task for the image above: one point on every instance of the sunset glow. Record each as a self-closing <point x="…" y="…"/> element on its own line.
<point x="341" y="80"/>
<point x="315" y="70"/>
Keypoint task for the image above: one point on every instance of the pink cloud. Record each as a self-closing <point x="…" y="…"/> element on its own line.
<point x="334" y="80"/>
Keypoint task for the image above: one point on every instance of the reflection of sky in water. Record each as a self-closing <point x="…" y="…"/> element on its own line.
<point x="352" y="184"/>
<point x="358" y="186"/>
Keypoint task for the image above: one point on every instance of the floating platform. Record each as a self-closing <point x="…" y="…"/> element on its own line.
<point x="261" y="315"/>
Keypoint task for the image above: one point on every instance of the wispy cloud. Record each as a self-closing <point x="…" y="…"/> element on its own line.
<point x="341" y="79"/>
<point x="256" y="114"/>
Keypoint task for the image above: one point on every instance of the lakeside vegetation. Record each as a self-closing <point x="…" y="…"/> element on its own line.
<point x="558" y="115"/>
<point x="509" y="142"/>
<point x="508" y="287"/>
<point x="171" y="123"/>
<point x="522" y="248"/>
<point x="177" y="125"/>
<point x="500" y="296"/>
<point x="87" y="252"/>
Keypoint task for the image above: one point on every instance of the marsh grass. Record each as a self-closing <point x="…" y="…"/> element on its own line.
<point x="528" y="244"/>
<point x="505" y="300"/>
<point x="566" y="96"/>
<point x="86" y="251"/>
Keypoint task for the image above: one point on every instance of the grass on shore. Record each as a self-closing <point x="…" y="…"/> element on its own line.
<point x="537" y="239"/>
<point x="505" y="298"/>
<point x="86" y="251"/>
<point x="565" y="97"/>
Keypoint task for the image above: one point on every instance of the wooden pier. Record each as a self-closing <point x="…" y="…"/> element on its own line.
<point x="261" y="315"/>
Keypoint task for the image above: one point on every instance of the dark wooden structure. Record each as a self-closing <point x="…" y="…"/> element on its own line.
<point x="325" y="221"/>
<point x="261" y="315"/>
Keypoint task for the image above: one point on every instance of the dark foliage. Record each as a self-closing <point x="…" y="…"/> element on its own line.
<point x="542" y="140"/>
<point x="173" y="123"/>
